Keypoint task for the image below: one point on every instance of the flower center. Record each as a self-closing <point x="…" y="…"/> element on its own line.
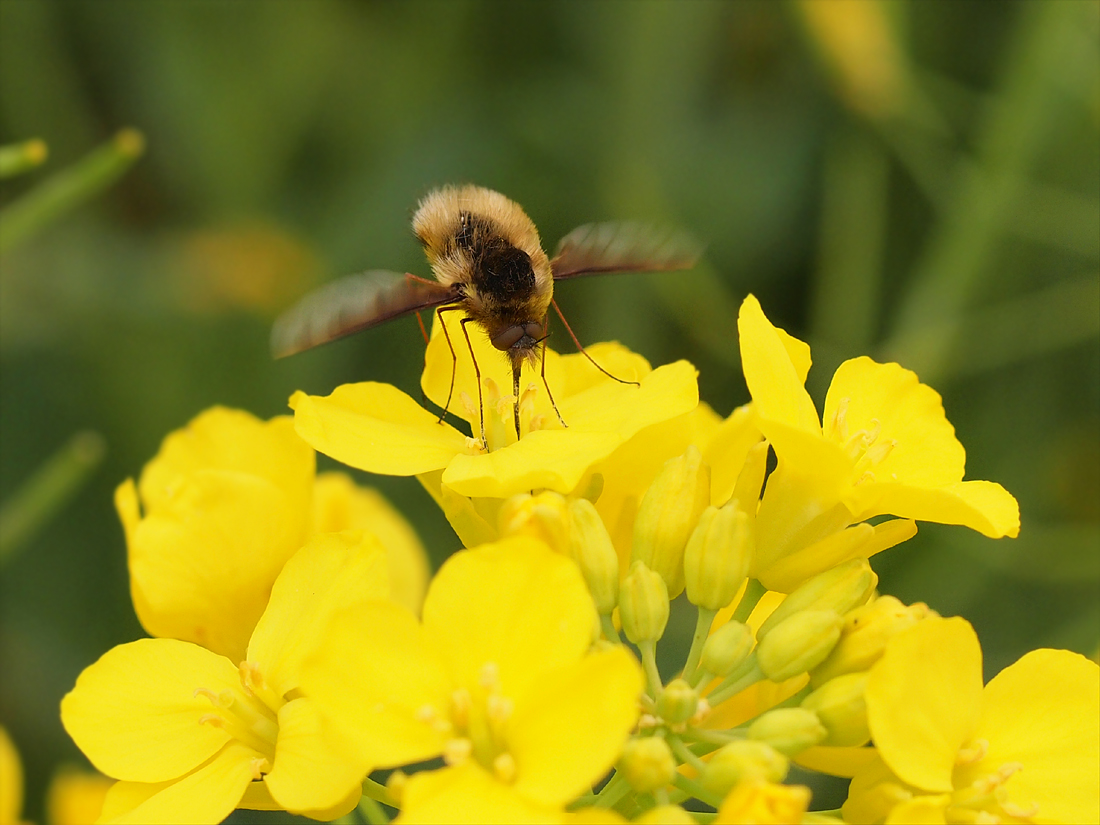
<point x="985" y="798"/>
<point x="478" y="722"/>
<point x="864" y="447"/>
<point x="248" y="714"/>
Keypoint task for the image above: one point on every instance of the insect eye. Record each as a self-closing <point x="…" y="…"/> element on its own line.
<point x="508" y="337"/>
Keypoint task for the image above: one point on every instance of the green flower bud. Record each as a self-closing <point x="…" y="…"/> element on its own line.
<point x="864" y="635"/>
<point x="668" y="513"/>
<point x="840" y="706"/>
<point x="677" y="702"/>
<point x="726" y="648"/>
<point x="591" y="547"/>
<point x="789" y="730"/>
<point x="717" y="556"/>
<point x="838" y="589"/>
<point x="643" y="604"/>
<point x="648" y="764"/>
<point x="798" y="644"/>
<point x="746" y="759"/>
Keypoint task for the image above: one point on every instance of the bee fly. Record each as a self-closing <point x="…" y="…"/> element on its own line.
<point x="488" y="263"/>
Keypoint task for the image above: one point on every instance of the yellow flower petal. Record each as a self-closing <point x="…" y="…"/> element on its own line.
<point x="376" y="679"/>
<point x="772" y="377"/>
<point x="1044" y="713"/>
<point x="922" y="810"/>
<point x="467" y="795"/>
<point x="331" y="572"/>
<point x="75" y="797"/>
<point x="463" y="513"/>
<point x="599" y="418"/>
<point x="309" y="773"/>
<point x="134" y="712"/>
<point x="377" y="428"/>
<point x="340" y="504"/>
<point x="11" y="781"/>
<point x="889" y="400"/>
<point x="516" y="604"/>
<point x="226" y="502"/>
<point x="726" y="451"/>
<point x="578" y="373"/>
<point x="837" y="761"/>
<point x="984" y="506"/>
<point x="758" y="801"/>
<point x="208" y="794"/>
<point x="569" y="729"/>
<point x="860" y="541"/>
<point x="924" y="700"/>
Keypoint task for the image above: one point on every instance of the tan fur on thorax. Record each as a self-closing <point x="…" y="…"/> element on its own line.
<point x="437" y="219"/>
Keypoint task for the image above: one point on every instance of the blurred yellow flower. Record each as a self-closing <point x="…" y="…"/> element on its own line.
<point x="1026" y="748"/>
<point x="191" y="735"/>
<point x="759" y="802"/>
<point x="218" y="511"/>
<point x="11" y="781"/>
<point x="499" y="679"/>
<point x="75" y="796"/>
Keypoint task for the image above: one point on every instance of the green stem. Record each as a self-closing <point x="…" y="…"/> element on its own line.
<point x="702" y="631"/>
<point x="616" y="788"/>
<point x="649" y="664"/>
<point x="693" y="788"/>
<point x="731" y="687"/>
<point x="47" y="492"/>
<point x="70" y="187"/>
<point x="753" y="591"/>
<point x="378" y="792"/>
<point x="17" y="158"/>
<point x="372" y="811"/>
<point x="684" y="755"/>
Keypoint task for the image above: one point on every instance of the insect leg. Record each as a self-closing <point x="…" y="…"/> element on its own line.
<point x="584" y="352"/>
<point x="549" y="394"/>
<point x="477" y="373"/>
<point x="454" y="358"/>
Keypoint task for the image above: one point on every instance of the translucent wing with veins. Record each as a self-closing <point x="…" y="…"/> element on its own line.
<point x="623" y="246"/>
<point x="351" y="304"/>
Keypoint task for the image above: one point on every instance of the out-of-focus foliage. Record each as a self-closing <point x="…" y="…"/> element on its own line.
<point x="914" y="181"/>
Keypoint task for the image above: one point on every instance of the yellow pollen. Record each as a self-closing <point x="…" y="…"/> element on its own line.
<point x="460" y="709"/>
<point x="1020" y="812"/>
<point x="489" y="676"/>
<point x="244" y="718"/>
<point x="702" y="710"/>
<point x="647" y="720"/>
<point x="537" y="422"/>
<point x="499" y="708"/>
<point x="457" y="751"/>
<point x="467" y="404"/>
<point x="259" y="766"/>
<point x="504" y="408"/>
<point x="224" y="699"/>
<point x="974" y="753"/>
<point x="504" y="766"/>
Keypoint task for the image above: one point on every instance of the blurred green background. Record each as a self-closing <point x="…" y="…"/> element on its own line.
<point x="915" y="181"/>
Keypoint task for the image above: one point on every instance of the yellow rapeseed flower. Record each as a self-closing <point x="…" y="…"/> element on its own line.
<point x="499" y="679"/>
<point x="218" y="511"/>
<point x="883" y="447"/>
<point x="193" y="735"/>
<point x="377" y="428"/>
<point x="1026" y="748"/>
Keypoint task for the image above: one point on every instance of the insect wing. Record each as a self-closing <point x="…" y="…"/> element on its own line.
<point x="351" y="304"/>
<point x="623" y="247"/>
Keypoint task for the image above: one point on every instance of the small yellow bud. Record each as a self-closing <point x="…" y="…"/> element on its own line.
<point x="799" y="643"/>
<point x="741" y="760"/>
<point x="648" y="764"/>
<point x="789" y="730"/>
<point x="717" y="556"/>
<point x="840" y="706"/>
<point x="544" y="516"/>
<point x="591" y="547"/>
<point x="839" y="589"/>
<point x="668" y="513"/>
<point x="677" y="702"/>
<point x="726" y="648"/>
<point x="864" y="635"/>
<point x="643" y="604"/>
